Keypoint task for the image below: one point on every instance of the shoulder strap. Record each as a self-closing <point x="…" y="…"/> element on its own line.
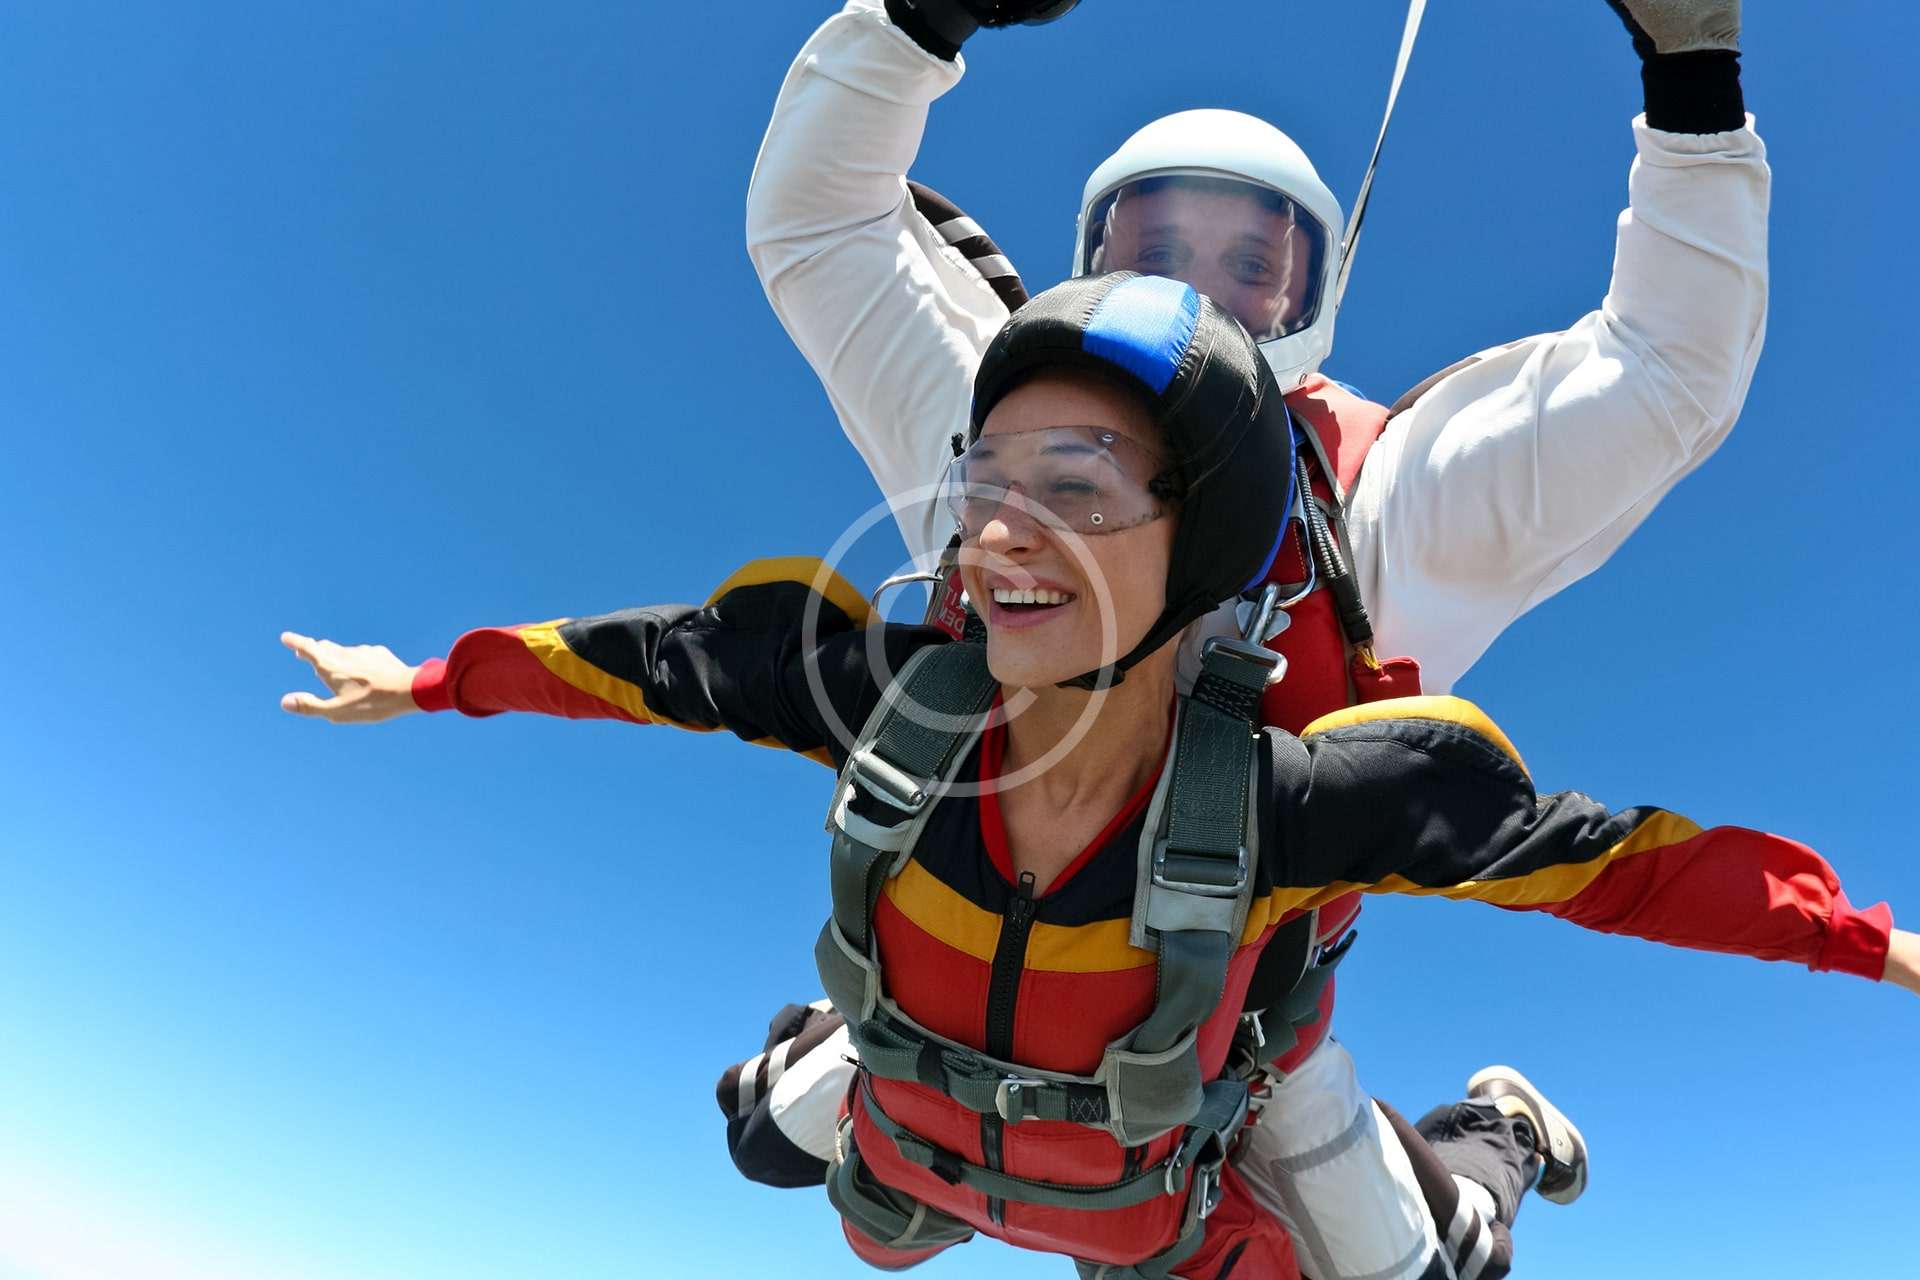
<point x="1200" y="844"/>
<point x="1340" y="426"/>
<point x="907" y="750"/>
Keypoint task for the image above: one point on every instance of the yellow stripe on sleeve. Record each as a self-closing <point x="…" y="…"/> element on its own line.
<point x="1560" y="883"/>
<point x="1444" y="707"/>
<point x="543" y="640"/>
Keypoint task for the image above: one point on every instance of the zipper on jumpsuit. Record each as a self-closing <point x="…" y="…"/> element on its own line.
<point x="1009" y="961"/>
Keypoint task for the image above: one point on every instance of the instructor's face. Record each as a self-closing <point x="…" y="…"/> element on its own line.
<point x="1247" y="257"/>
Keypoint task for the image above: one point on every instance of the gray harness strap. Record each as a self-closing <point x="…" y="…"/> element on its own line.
<point x="912" y="743"/>
<point x="1200" y="869"/>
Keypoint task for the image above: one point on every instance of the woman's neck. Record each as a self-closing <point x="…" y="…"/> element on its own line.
<point x="1096" y="746"/>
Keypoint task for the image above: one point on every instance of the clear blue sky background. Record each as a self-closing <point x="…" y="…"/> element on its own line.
<point x="383" y="321"/>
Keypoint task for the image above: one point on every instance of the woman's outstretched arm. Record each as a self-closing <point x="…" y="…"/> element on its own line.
<point x="781" y="655"/>
<point x="1426" y="796"/>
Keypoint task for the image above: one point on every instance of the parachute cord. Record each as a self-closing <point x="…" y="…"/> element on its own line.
<point x="1416" y="9"/>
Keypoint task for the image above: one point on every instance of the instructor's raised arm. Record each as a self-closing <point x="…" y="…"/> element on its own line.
<point x="1536" y="460"/>
<point x="890" y="316"/>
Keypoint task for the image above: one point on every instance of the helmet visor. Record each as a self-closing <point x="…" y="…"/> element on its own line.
<point x="1250" y="247"/>
<point x="1087" y="479"/>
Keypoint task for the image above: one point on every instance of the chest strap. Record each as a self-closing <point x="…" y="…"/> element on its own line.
<point x="1198" y="1156"/>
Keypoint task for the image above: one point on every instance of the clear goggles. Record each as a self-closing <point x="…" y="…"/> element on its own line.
<point x="1087" y="479"/>
<point x="1249" y="247"/>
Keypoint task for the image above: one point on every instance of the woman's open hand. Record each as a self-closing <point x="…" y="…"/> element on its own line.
<point x="368" y="682"/>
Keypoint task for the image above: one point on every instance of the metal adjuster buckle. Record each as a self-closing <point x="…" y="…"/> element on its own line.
<point x="1007" y="1100"/>
<point x="1175" y="1164"/>
<point x="1210" y="888"/>
<point x="1263" y="661"/>
<point x="886" y="783"/>
<point x="1207" y="1190"/>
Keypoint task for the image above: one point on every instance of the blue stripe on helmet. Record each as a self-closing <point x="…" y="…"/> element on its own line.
<point x="1286" y="506"/>
<point x="1145" y="326"/>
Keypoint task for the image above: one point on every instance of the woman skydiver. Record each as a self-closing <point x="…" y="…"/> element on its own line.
<point x="1051" y="883"/>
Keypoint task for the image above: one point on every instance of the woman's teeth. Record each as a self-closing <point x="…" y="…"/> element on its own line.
<point x="1038" y="595"/>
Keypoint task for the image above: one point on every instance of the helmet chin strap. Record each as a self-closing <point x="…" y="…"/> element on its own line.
<point x="1416" y="9"/>
<point x="1165" y="630"/>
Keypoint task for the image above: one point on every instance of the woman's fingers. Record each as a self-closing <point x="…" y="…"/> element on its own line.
<point x="368" y="681"/>
<point x="310" y="651"/>
<point x="306" y="704"/>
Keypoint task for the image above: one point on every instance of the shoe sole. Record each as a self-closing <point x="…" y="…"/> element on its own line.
<point x="1565" y="1145"/>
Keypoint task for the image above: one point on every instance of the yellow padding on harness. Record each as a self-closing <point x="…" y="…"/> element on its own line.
<point x="1427" y="707"/>
<point x="810" y="572"/>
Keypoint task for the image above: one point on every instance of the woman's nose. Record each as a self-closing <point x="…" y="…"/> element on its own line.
<point x="1010" y="529"/>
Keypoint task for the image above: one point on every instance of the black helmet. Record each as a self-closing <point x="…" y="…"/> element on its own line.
<point x="1224" y="422"/>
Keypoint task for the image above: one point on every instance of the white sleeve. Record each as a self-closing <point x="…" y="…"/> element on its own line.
<point x="1522" y="472"/>
<point x="892" y="318"/>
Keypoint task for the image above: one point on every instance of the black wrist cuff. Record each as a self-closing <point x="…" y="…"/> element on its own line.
<point x="1695" y="92"/>
<point x="938" y="26"/>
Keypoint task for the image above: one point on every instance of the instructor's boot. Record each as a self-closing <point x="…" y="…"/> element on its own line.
<point x="1563" y="1151"/>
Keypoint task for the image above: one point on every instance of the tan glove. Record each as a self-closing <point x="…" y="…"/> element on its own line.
<point x="1680" y="26"/>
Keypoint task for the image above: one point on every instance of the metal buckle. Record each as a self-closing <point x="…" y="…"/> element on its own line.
<point x="1006" y="1098"/>
<point x="901" y="580"/>
<point x="1266" y="661"/>
<point x="1175" y="1163"/>
<point x="1203" y="888"/>
<point x="1207" y="1189"/>
<point x="886" y="783"/>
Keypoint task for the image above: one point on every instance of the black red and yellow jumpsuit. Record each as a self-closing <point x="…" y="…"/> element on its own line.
<point x="1420" y="796"/>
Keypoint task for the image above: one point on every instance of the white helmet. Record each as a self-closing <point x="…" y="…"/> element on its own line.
<point x="1282" y="270"/>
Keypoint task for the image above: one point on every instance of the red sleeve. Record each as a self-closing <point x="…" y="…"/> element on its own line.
<point x="1735" y="890"/>
<point x="492" y="670"/>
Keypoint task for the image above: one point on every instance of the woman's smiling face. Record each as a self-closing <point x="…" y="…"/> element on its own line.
<point x="1040" y="586"/>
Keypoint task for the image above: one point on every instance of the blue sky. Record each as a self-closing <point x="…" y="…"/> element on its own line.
<point x="381" y="322"/>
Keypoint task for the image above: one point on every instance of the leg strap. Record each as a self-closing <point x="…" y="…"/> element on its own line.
<point x="888" y="1217"/>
